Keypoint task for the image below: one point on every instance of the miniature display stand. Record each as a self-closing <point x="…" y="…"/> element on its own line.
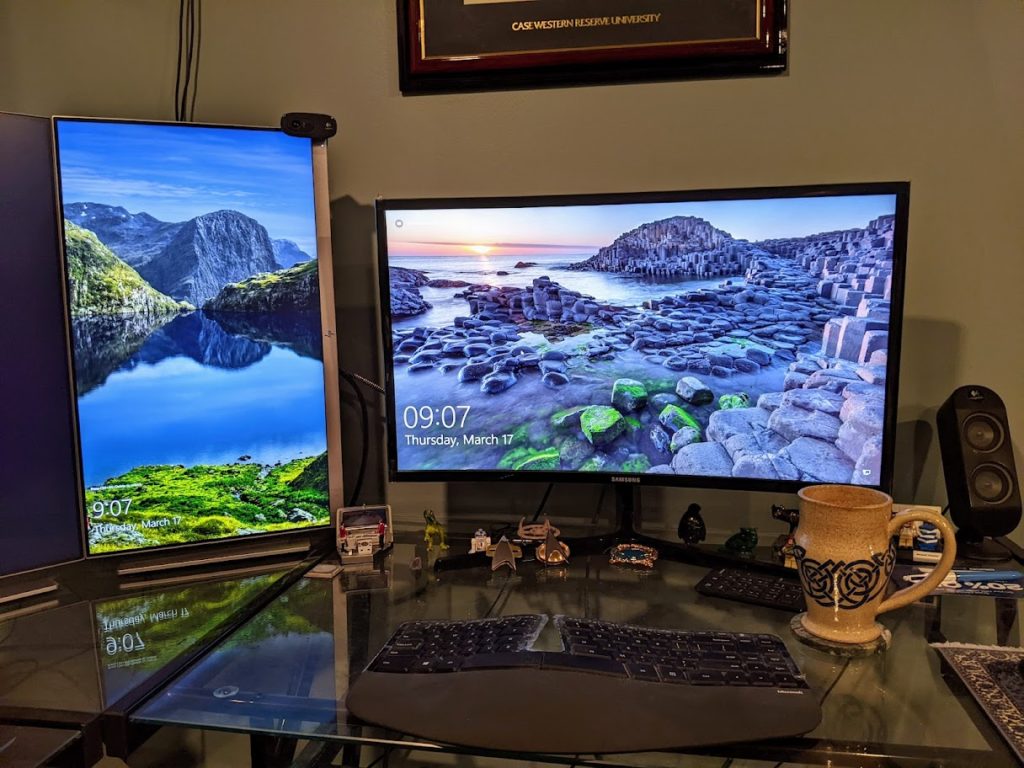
<point x="480" y="541"/>
<point x="363" y="532"/>
<point x="433" y="529"/>
<point x="927" y="543"/>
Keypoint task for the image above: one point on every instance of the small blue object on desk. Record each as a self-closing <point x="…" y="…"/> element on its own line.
<point x="967" y="581"/>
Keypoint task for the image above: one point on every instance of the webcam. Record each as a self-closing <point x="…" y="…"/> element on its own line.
<point x="309" y="125"/>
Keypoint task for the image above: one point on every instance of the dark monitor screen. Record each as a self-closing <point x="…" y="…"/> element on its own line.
<point x="195" y="308"/>
<point x="728" y="338"/>
<point x="39" y="515"/>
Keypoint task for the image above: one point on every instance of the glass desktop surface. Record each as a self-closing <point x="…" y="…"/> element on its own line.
<point x="86" y="657"/>
<point x="27" y="747"/>
<point x="285" y="673"/>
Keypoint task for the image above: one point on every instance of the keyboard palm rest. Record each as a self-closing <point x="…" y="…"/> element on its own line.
<point x="613" y="687"/>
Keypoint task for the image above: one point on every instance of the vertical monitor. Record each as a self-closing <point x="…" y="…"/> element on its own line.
<point x="39" y="515"/>
<point x="741" y="338"/>
<point x="194" y="300"/>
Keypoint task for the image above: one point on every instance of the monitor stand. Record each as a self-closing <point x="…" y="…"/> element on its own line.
<point x="213" y="556"/>
<point x="22" y="589"/>
<point x="627" y="515"/>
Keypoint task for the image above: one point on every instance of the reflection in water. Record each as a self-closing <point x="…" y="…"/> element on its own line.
<point x="105" y="344"/>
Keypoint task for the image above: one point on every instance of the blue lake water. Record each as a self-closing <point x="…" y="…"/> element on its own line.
<point x="169" y="404"/>
<point x="623" y="290"/>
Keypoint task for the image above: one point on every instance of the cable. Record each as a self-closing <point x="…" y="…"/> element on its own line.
<point x="189" y="47"/>
<point x="365" y="427"/>
<point x="367" y="382"/>
<point x="177" y="72"/>
<point x="199" y="47"/>
<point x="543" y="501"/>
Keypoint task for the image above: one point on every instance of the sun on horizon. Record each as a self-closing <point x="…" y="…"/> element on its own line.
<point x="481" y="250"/>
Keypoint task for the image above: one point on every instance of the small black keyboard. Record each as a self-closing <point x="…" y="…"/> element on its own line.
<point x="638" y="653"/>
<point x="754" y="588"/>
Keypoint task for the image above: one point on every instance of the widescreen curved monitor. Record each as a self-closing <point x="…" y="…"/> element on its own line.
<point x="200" y="320"/>
<point x="743" y="338"/>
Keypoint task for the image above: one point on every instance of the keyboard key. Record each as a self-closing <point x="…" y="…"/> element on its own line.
<point x="582" y="664"/>
<point x="672" y="674"/>
<point x="503" y="660"/>
<point x="642" y="672"/>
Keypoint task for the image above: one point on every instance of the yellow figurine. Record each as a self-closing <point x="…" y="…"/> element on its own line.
<point x="433" y="528"/>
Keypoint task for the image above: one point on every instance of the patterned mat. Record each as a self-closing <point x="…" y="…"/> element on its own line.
<point x="993" y="675"/>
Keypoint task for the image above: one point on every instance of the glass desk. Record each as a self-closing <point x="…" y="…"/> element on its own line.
<point x="282" y="677"/>
<point x="26" y="747"/>
<point x="85" y="658"/>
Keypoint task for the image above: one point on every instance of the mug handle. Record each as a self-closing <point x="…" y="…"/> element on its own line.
<point x="908" y="595"/>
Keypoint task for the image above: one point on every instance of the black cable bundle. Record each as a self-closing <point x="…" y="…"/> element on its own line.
<point x="190" y="42"/>
<point x="353" y="380"/>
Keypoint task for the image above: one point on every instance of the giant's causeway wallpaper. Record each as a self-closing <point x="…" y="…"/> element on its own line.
<point x="195" y="317"/>
<point x="725" y="338"/>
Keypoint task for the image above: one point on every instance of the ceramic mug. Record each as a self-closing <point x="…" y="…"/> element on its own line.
<point x="845" y="553"/>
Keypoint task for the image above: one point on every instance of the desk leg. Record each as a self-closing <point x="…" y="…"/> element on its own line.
<point x="271" y="751"/>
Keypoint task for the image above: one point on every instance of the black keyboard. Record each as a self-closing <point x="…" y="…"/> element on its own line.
<point x="616" y="687"/>
<point x="754" y="588"/>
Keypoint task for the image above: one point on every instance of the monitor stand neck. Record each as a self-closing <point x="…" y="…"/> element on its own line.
<point x="627" y="531"/>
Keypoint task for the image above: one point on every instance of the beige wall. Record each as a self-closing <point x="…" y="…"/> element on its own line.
<point x="925" y="90"/>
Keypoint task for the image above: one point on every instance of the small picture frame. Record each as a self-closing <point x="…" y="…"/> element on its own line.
<point x="361" y="532"/>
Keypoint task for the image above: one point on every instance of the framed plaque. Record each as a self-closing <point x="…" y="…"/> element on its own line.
<point x="452" y="45"/>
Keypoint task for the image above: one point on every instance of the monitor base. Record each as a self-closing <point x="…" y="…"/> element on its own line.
<point x="23" y="589"/>
<point x="627" y="507"/>
<point x="214" y="557"/>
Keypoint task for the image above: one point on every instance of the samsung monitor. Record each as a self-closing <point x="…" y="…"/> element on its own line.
<point x="741" y="339"/>
<point x="39" y="520"/>
<point x="200" y="301"/>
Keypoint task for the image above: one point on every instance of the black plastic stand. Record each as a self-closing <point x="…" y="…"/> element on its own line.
<point x="986" y="550"/>
<point x="627" y="509"/>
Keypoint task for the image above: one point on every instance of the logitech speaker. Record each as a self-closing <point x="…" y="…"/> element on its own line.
<point x="977" y="460"/>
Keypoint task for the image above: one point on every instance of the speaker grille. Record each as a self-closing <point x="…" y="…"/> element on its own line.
<point x="992" y="483"/>
<point x="983" y="433"/>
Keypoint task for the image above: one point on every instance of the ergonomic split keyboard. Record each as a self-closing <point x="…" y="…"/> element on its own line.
<point x="611" y="688"/>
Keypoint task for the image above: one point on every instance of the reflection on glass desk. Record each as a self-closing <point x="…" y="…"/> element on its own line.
<point x="26" y="747"/>
<point x="285" y="673"/>
<point x="138" y="635"/>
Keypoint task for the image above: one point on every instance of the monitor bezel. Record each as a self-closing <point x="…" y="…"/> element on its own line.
<point x="332" y="391"/>
<point x="900" y="189"/>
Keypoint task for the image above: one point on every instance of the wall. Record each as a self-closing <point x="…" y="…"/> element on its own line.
<point x="925" y="90"/>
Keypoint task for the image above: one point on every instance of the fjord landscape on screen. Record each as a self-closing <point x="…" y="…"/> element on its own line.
<point x="194" y="303"/>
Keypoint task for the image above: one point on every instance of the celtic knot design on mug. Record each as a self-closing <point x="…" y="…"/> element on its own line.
<point x="841" y="584"/>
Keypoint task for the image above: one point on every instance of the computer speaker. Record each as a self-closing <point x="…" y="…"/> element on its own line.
<point x="977" y="460"/>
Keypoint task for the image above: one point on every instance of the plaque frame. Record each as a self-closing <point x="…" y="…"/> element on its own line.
<point x="491" y="62"/>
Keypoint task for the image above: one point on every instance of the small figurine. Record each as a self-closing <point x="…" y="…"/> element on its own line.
<point x="535" y="531"/>
<point x="691" y="526"/>
<point x="784" y="552"/>
<point x="480" y="541"/>
<point x="342" y="538"/>
<point x="504" y="553"/>
<point x="382" y="528"/>
<point x="633" y="555"/>
<point x="788" y="515"/>
<point x="551" y="551"/>
<point x="432" y="529"/>
<point x="742" y="543"/>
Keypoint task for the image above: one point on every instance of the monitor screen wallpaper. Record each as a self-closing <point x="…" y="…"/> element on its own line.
<point x="195" y="314"/>
<point x="715" y="340"/>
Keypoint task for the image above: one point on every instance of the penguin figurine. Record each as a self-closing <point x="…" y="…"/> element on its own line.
<point x="691" y="526"/>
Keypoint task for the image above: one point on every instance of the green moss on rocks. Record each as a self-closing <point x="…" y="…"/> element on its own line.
<point x="601" y="424"/>
<point x="629" y="395"/>
<point x="675" y="418"/>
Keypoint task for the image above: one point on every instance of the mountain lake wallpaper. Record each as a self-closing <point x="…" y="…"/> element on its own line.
<point x="722" y="338"/>
<point x="195" y="313"/>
